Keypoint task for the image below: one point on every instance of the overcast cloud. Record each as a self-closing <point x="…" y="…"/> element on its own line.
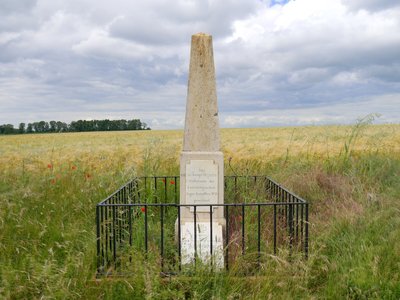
<point x="278" y="62"/>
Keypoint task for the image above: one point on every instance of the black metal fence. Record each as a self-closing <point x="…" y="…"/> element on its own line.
<point x="141" y="221"/>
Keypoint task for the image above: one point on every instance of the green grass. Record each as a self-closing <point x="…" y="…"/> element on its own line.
<point x="350" y="176"/>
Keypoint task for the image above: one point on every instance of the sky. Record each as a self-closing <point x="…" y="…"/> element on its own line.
<point x="278" y="62"/>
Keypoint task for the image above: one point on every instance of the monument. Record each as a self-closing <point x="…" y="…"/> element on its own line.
<point x="201" y="161"/>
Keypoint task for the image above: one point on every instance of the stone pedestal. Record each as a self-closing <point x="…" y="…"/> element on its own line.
<point x="203" y="243"/>
<point x="201" y="161"/>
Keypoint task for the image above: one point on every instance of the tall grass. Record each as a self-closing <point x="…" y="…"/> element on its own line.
<point x="49" y="185"/>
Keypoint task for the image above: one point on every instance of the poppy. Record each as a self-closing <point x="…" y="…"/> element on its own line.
<point x="172" y="182"/>
<point x="53" y="181"/>
<point x="143" y="209"/>
<point x="50" y="166"/>
<point x="73" y="168"/>
<point x="163" y="180"/>
<point x="88" y="176"/>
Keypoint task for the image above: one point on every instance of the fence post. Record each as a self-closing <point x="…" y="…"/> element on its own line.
<point x="98" y="237"/>
<point x="306" y="233"/>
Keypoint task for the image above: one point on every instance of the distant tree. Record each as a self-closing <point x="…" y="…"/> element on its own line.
<point x="21" y="128"/>
<point x="53" y="126"/>
<point x="75" y="126"/>
<point x="46" y="127"/>
<point x="7" y="129"/>
<point x="144" y="126"/>
<point x="61" y="126"/>
<point x="29" y="128"/>
<point x="35" y="126"/>
<point x="134" y="124"/>
<point x="40" y="126"/>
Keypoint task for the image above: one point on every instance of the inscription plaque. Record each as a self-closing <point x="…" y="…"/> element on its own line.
<point x="201" y="182"/>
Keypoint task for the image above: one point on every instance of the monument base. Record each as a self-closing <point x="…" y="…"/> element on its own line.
<point x="209" y="249"/>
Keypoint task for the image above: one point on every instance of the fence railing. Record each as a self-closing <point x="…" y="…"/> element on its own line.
<point x="141" y="221"/>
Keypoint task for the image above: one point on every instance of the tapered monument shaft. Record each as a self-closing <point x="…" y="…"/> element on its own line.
<point x="201" y="122"/>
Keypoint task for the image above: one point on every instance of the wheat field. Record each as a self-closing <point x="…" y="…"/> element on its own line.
<point x="50" y="183"/>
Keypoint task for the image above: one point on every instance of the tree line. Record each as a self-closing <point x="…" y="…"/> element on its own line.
<point x="74" y="126"/>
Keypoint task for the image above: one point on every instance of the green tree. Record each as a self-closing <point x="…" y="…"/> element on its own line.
<point x="53" y="126"/>
<point x="29" y="128"/>
<point x="61" y="126"/>
<point x="7" y="129"/>
<point x="21" y="128"/>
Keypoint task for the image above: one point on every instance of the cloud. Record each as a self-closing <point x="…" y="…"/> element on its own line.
<point x="337" y="113"/>
<point x="277" y="62"/>
<point x="307" y="53"/>
<point x="370" y="5"/>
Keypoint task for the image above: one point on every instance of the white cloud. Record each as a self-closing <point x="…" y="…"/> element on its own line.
<point x="277" y="62"/>
<point x="336" y="113"/>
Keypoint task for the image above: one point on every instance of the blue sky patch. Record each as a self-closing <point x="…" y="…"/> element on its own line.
<point x="278" y="2"/>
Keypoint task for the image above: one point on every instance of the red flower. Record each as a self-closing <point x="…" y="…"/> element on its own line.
<point x="73" y="168"/>
<point x="163" y="180"/>
<point x="88" y="176"/>
<point x="172" y="182"/>
<point x="143" y="209"/>
<point x="53" y="181"/>
<point x="50" y="166"/>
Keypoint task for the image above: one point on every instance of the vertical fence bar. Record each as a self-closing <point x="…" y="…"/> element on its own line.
<point x="227" y="238"/>
<point x="179" y="238"/>
<point x="114" y="236"/>
<point x="165" y="189"/>
<point x="306" y="233"/>
<point x="290" y="229"/>
<point x="211" y="237"/>
<point x="145" y="187"/>
<point x="130" y="230"/>
<point x="269" y="188"/>
<point x="259" y="233"/>
<point x="123" y="215"/>
<point x="136" y="192"/>
<point x="129" y="189"/>
<point x="98" y="237"/>
<point x="145" y="230"/>
<point x="175" y="190"/>
<point x="243" y="234"/>
<point x="302" y="224"/>
<point x="274" y="229"/>
<point x="108" y="233"/>
<point x="119" y="215"/>
<point x="162" y="236"/>
<point x="126" y="208"/>
<point x="297" y="221"/>
<point x="195" y="233"/>
<point x="155" y="195"/>
<point x="286" y="207"/>
<point x="273" y="192"/>
<point x="235" y="188"/>
<point x="102" y="233"/>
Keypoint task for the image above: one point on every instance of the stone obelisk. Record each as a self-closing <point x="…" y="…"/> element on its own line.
<point x="201" y="161"/>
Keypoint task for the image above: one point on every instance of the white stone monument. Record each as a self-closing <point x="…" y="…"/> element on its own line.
<point x="201" y="161"/>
